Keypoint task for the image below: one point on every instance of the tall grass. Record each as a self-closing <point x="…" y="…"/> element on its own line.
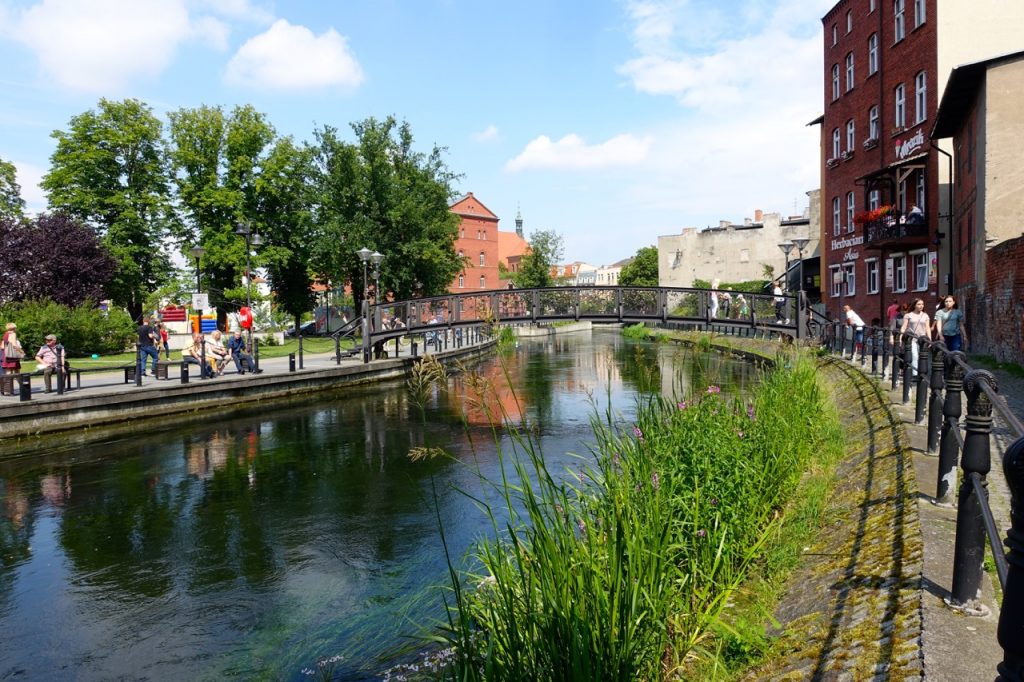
<point x="619" y="573"/>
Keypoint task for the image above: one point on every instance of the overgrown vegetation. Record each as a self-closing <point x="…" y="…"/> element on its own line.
<point x="636" y="331"/>
<point x="83" y="329"/>
<point x="623" y="572"/>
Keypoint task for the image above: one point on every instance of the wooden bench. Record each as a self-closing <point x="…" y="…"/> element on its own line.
<point x="161" y="370"/>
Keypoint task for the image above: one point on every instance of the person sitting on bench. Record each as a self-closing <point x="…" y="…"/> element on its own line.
<point x="193" y="354"/>
<point x="49" y="355"/>
<point x="236" y="344"/>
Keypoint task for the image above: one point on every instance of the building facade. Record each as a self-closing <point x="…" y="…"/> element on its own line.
<point x="477" y="244"/>
<point x="884" y="217"/>
<point x="982" y="112"/>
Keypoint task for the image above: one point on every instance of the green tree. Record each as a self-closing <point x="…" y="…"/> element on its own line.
<point x="109" y="170"/>
<point x="217" y="162"/>
<point x="12" y="206"/>
<point x="285" y="196"/>
<point x="642" y="271"/>
<point x="544" y="252"/>
<point x="380" y="194"/>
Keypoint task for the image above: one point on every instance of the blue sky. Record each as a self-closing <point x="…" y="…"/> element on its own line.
<point x="608" y="121"/>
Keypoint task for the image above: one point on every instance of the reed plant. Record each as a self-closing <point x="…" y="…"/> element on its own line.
<point x="620" y="571"/>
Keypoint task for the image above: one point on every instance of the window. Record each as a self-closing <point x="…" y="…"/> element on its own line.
<point x="836" y="277"/>
<point x="850" y="275"/>
<point x="481" y="259"/>
<point x="851" y="203"/>
<point x="874" y="200"/>
<point x="899" y="273"/>
<point x="919" y="262"/>
<point x="873" y="53"/>
<point x="463" y="233"/>
<point x="897" y="10"/>
<point x="919" y="12"/>
<point x="835" y="34"/>
<point x="836" y="218"/>
<point x="461" y="255"/>
<point x="835" y="143"/>
<point x="849" y="22"/>
<point x="901" y="107"/>
<point x="921" y="190"/>
<point x="462" y="281"/>
<point x="871" y="275"/>
<point x="871" y="6"/>
<point x="920" y="97"/>
<point x="873" y="123"/>
<point x="851" y="138"/>
<point x="483" y="282"/>
<point x="849" y="72"/>
<point x="835" y="81"/>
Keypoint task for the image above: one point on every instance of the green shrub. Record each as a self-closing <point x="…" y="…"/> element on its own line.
<point x="636" y="331"/>
<point x="83" y="330"/>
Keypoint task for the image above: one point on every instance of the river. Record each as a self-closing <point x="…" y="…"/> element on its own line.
<point x="250" y="546"/>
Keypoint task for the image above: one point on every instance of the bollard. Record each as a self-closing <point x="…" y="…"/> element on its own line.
<point x="875" y="335"/>
<point x="256" y="353"/>
<point x="969" y="551"/>
<point x="1010" y="632"/>
<point x="935" y="407"/>
<point x="291" y="362"/>
<point x="301" y="365"/>
<point x="923" y="366"/>
<point x="415" y="354"/>
<point x="337" y="350"/>
<point x="885" y="352"/>
<point x="908" y="366"/>
<point x="894" y="373"/>
<point x="203" y="371"/>
<point x="184" y="372"/>
<point x="949" y="448"/>
<point x="138" y="365"/>
<point x="25" y="388"/>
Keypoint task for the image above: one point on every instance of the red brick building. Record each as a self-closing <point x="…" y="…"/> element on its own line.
<point x="477" y="243"/>
<point x="885" y="65"/>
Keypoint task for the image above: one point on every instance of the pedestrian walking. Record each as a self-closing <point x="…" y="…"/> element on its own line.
<point x="780" y="304"/>
<point x="917" y="323"/>
<point x="12" y="350"/>
<point x="949" y="321"/>
<point x="854" y="320"/>
<point x="147" y="347"/>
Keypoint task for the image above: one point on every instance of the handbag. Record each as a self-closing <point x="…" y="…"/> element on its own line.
<point x="13" y="351"/>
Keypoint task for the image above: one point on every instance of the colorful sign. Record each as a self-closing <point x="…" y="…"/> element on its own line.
<point x="905" y="148"/>
<point x="888" y="273"/>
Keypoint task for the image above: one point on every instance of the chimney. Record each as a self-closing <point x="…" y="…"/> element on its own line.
<point x="758" y="216"/>
<point x="722" y="224"/>
<point x="747" y="222"/>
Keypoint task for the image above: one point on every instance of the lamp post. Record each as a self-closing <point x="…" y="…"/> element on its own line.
<point x="197" y="253"/>
<point x="801" y="243"/>
<point x="252" y="238"/>
<point x="376" y="257"/>
<point x="786" y="248"/>
<point x="364" y="255"/>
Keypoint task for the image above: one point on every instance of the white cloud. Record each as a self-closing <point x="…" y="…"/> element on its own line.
<point x="100" y="45"/>
<point x="29" y="177"/>
<point x="289" y="57"/>
<point x="487" y="134"/>
<point x="239" y="10"/>
<point x="572" y="152"/>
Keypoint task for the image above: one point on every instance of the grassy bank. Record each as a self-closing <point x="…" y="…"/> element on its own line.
<point x="625" y="572"/>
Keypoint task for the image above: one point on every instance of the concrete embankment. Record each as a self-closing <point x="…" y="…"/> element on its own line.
<point x="166" y="401"/>
<point x="536" y="331"/>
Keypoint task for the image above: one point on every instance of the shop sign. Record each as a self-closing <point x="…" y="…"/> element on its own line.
<point x="888" y="273"/>
<point x="905" y="148"/>
<point x="851" y="254"/>
<point x="933" y="267"/>
<point x="847" y="243"/>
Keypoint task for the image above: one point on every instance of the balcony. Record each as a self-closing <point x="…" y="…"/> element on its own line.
<point x="895" y="228"/>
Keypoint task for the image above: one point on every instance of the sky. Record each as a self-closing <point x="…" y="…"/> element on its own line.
<point x="610" y="122"/>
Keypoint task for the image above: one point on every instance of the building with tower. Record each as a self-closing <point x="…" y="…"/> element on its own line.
<point x="886" y="225"/>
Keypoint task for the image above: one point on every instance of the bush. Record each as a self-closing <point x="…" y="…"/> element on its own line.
<point x="83" y="329"/>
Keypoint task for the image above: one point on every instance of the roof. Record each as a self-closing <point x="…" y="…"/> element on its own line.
<point x="961" y="90"/>
<point x="510" y="245"/>
<point x="469" y="205"/>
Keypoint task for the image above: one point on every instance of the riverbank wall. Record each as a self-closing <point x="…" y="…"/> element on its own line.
<point x="540" y="331"/>
<point x="173" y="402"/>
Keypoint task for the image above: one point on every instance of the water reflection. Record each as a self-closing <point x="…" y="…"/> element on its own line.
<point x="250" y="546"/>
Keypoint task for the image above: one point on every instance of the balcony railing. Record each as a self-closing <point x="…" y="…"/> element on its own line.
<point x="895" y="227"/>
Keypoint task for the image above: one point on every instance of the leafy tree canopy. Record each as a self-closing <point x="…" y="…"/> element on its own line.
<point x="53" y="257"/>
<point x="642" y="271"/>
<point x="535" y="267"/>
<point x="380" y="194"/>
<point x="109" y="171"/>
<point x="12" y="206"/>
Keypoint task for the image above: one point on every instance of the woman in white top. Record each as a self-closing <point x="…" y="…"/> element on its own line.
<point x="918" y="323"/>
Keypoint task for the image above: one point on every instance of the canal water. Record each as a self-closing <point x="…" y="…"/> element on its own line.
<point x="252" y="546"/>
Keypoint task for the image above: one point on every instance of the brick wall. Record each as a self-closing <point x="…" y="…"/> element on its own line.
<point x="995" y="314"/>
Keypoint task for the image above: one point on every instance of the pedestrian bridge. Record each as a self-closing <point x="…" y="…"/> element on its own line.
<point x="673" y="306"/>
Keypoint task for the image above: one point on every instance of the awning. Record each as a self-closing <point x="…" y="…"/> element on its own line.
<point x="912" y="161"/>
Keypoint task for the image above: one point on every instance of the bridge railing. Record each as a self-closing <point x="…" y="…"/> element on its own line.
<point x="939" y="378"/>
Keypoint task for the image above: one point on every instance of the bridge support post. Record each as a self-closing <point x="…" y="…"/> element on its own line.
<point x="1011" y="631"/>
<point x="923" y="369"/>
<point x="366" y="331"/>
<point x="949" y="448"/>
<point x="937" y="385"/>
<point x="969" y="551"/>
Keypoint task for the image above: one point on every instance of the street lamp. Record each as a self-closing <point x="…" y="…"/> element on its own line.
<point x="801" y="243"/>
<point x="252" y="238"/>
<point x="786" y="248"/>
<point x="364" y="255"/>
<point x="197" y="253"/>
<point x="376" y="257"/>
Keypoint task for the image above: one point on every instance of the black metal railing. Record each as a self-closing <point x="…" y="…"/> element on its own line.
<point x="940" y="378"/>
<point x="895" y="226"/>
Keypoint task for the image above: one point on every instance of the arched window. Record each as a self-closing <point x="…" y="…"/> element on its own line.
<point x="901" y="106"/>
<point x="920" y="97"/>
<point x="849" y="72"/>
<point x="481" y="259"/>
<point x="873" y="53"/>
<point x="835" y="81"/>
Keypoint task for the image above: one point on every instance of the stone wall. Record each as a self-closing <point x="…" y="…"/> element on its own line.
<point x="995" y="311"/>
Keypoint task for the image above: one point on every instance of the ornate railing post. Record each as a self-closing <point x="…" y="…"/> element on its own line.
<point x="969" y="551"/>
<point x="952" y="408"/>
<point x="908" y="366"/>
<point x="875" y="336"/>
<point x="923" y="366"/>
<point x="935" y="407"/>
<point x="1011" y="626"/>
